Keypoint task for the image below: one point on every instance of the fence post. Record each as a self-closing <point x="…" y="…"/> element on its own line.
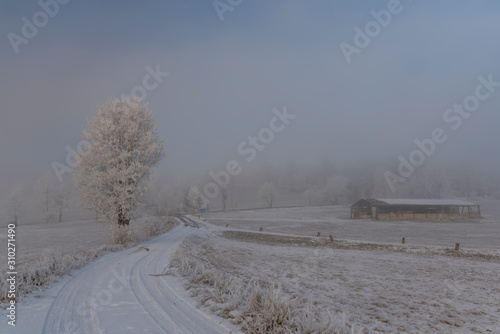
<point x="457" y="247"/>
<point x="331" y="238"/>
<point x="403" y="240"/>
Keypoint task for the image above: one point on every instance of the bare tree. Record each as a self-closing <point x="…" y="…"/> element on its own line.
<point x="267" y="192"/>
<point x="14" y="205"/>
<point x="311" y="194"/>
<point x="121" y="152"/>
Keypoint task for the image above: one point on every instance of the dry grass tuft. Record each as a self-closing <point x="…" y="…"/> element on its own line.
<point x="258" y="307"/>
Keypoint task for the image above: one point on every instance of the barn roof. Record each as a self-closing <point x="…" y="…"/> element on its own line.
<point x="419" y="201"/>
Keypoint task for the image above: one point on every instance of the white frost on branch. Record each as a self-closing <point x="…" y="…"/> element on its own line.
<point x="14" y="205"/>
<point x="44" y="191"/>
<point x="63" y="196"/>
<point x="193" y="200"/>
<point x="121" y="155"/>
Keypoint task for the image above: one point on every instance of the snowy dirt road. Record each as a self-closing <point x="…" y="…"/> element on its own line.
<point x="124" y="292"/>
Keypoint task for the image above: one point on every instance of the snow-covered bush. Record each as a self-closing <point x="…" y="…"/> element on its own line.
<point x="154" y="226"/>
<point x="142" y="228"/>
<point x="120" y="235"/>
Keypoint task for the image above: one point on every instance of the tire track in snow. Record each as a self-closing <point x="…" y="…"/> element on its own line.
<point x="76" y="309"/>
<point x="160" y="299"/>
<point x="149" y="302"/>
<point x="71" y="312"/>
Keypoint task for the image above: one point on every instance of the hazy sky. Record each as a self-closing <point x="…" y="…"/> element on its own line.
<point x="225" y="78"/>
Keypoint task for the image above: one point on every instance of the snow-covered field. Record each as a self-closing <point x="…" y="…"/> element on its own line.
<point x="375" y="291"/>
<point x="375" y="284"/>
<point x="36" y="240"/>
<point x="33" y="241"/>
<point x="334" y="220"/>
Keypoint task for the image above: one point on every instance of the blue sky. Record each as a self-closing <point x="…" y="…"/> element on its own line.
<point x="227" y="76"/>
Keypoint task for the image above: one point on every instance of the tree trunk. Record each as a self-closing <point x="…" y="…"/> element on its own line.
<point x="122" y="221"/>
<point x="224" y="198"/>
<point x="47" y="205"/>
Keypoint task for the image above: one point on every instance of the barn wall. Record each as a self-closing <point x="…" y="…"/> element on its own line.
<point x="360" y="213"/>
<point x="398" y="212"/>
<point x="417" y="216"/>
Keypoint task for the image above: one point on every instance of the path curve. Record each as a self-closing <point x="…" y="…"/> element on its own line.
<point x="125" y="292"/>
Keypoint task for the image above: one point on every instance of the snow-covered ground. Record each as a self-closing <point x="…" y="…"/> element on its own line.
<point x="377" y="291"/>
<point x="35" y="240"/>
<point x="377" y="284"/>
<point x="334" y="220"/>
<point x="118" y="294"/>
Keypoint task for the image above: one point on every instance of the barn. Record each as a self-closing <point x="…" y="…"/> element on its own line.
<point x="386" y="209"/>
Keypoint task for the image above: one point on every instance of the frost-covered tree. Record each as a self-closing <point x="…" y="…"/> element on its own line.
<point x="44" y="193"/>
<point x="62" y="198"/>
<point x="224" y="197"/>
<point x="158" y="198"/>
<point x="193" y="199"/>
<point x="267" y="192"/>
<point x="165" y="197"/>
<point x="121" y="152"/>
<point x="14" y="204"/>
<point x="337" y="187"/>
<point x="380" y="186"/>
<point x="312" y="194"/>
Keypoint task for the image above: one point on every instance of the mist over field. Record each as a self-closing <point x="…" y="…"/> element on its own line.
<point x="360" y="102"/>
<point x="249" y="167"/>
<point x="368" y="83"/>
